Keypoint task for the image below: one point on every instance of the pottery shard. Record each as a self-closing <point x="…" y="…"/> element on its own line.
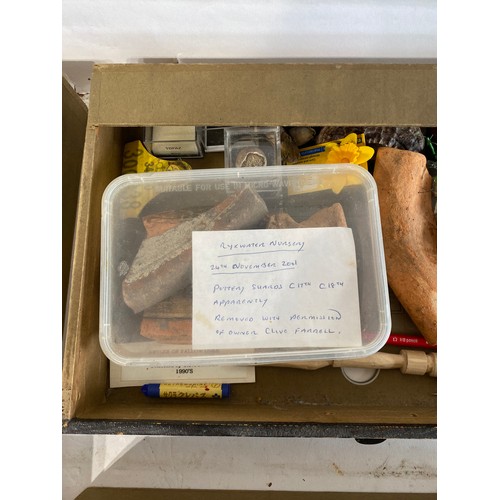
<point x="409" y="234"/>
<point x="301" y="135"/>
<point x="162" y="265"/>
<point x="281" y="220"/>
<point x="168" y="331"/>
<point x="178" y="306"/>
<point x="332" y="216"/>
<point x="156" y="224"/>
<point x="290" y="153"/>
<point x="408" y="138"/>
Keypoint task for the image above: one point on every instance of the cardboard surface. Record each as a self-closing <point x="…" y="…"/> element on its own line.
<point x="74" y="123"/>
<point x="289" y="395"/>
<point x="158" y="494"/>
<point x="264" y="94"/>
<point x="127" y="96"/>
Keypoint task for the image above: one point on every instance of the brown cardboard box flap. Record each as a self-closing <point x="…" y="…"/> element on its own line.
<point x="264" y="94"/>
<point x="74" y="123"/>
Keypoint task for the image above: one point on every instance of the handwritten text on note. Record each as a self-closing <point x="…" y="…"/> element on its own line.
<point x="275" y="288"/>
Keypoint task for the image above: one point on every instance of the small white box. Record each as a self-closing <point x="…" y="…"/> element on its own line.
<point x="174" y="141"/>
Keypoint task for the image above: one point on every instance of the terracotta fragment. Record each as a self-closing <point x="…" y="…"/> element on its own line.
<point x="332" y="216"/>
<point x="156" y="224"/>
<point x="409" y="234"/>
<point x="301" y="135"/>
<point x="290" y="153"/>
<point x="281" y="220"/>
<point x="178" y="306"/>
<point x="171" y="331"/>
<point x="162" y="265"/>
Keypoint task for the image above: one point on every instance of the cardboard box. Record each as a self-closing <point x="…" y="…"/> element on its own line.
<point x="74" y="123"/>
<point x="283" y="401"/>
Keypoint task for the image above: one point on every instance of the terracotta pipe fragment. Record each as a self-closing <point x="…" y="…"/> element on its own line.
<point x="409" y="234"/>
<point x="162" y="266"/>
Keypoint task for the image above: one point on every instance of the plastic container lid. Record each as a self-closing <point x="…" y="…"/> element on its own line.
<point x="242" y="266"/>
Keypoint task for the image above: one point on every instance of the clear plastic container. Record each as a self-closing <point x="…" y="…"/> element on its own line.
<point x="242" y="266"/>
<point x="252" y="146"/>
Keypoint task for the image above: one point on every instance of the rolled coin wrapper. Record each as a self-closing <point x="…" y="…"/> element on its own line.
<point x="191" y="391"/>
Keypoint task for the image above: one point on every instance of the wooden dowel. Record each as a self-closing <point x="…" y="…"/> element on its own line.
<point x="408" y="361"/>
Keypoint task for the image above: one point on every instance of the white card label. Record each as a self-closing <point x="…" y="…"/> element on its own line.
<point x="268" y="288"/>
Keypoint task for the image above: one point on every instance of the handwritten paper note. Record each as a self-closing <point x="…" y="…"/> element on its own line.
<point x="273" y="288"/>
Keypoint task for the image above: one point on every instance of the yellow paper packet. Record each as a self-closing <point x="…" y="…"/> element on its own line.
<point x="345" y="150"/>
<point x="137" y="159"/>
